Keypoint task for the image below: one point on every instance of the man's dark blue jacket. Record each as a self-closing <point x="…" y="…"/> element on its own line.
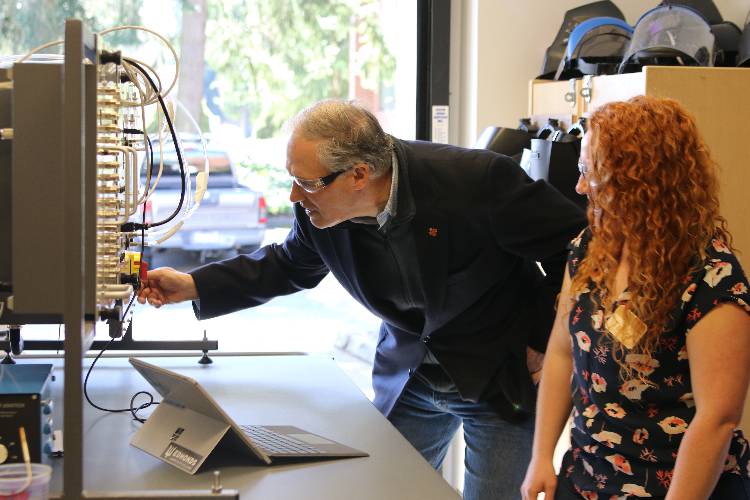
<point x="479" y="226"/>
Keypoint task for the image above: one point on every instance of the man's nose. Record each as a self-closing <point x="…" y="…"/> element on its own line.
<point x="296" y="194"/>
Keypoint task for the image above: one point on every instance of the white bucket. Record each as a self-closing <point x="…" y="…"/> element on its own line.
<point x="13" y="477"/>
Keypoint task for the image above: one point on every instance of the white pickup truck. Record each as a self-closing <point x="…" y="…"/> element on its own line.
<point x="231" y="216"/>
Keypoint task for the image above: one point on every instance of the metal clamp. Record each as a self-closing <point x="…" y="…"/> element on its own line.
<point x="586" y="88"/>
<point x="570" y="96"/>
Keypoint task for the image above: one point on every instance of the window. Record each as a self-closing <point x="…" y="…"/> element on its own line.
<point x="246" y="68"/>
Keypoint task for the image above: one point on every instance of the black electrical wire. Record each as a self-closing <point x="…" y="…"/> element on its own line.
<point x="132" y="409"/>
<point x="174" y="140"/>
<point x="132" y="299"/>
<point x="150" y="166"/>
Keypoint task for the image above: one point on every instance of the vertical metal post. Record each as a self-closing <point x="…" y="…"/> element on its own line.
<point x="73" y="125"/>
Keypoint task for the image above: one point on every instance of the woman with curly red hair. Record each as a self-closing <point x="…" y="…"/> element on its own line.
<point x="652" y="325"/>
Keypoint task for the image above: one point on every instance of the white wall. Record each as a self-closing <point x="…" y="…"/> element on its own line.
<point x="501" y="46"/>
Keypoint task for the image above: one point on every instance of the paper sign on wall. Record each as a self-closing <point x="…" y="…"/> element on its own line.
<point x="440" y="124"/>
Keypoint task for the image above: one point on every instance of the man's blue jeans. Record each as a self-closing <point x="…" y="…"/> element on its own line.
<point x="497" y="452"/>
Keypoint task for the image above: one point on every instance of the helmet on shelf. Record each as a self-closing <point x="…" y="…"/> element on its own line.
<point x="727" y="36"/>
<point x="573" y="17"/>
<point x="670" y="35"/>
<point x="707" y="9"/>
<point x="595" y="47"/>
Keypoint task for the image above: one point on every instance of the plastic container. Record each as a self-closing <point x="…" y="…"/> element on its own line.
<point x="14" y="476"/>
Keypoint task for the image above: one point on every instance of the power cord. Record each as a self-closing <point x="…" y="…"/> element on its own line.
<point x="132" y="409"/>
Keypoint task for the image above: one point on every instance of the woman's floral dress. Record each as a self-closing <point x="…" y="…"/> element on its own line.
<point x="626" y="433"/>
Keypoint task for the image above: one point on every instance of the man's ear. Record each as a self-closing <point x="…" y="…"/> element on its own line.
<point x="361" y="175"/>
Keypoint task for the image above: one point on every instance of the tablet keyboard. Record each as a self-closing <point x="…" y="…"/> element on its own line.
<point x="275" y="443"/>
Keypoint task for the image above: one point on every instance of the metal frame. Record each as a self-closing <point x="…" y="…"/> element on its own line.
<point x="15" y="347"/>
<point x="39" y="287"/>
<point x="126" y="343"/>
<point x="77" y="338"/>
<point x="79" y="148"/>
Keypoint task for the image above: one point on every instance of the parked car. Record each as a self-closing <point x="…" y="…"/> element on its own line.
<point x="230" y="216"/>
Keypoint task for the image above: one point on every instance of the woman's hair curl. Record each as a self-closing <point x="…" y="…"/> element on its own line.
<point x="656" y="191"/>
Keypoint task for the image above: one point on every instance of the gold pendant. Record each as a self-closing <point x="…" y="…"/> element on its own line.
<point x="625" y="326"/>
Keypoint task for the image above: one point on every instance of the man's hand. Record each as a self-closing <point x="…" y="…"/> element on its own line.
<point x="534" y="362"/>
<point x="167" y="286"/>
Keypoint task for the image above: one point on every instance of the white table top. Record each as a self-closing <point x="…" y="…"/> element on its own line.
<point x="309" y="392"/>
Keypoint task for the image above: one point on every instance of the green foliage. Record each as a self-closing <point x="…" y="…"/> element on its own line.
<point x="271" y="57"/>
<point x="110" y="13"/>
<point x="274" y="58"/>
<point x="272" y="180"/>
<point x="25" y="24"/>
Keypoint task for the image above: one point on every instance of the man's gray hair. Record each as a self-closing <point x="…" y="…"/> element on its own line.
<point x="350" y="134"/>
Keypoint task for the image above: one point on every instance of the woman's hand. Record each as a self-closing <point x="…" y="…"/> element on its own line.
<point x="540" y="478"/>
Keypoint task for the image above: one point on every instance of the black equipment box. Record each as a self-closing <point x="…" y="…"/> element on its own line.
<point x="25" y="401"/>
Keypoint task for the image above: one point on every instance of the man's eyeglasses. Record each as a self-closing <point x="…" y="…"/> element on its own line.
<point x="315" y="185"/>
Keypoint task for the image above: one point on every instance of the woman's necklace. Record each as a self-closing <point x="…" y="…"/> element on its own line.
<point x="625" y="326"/>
